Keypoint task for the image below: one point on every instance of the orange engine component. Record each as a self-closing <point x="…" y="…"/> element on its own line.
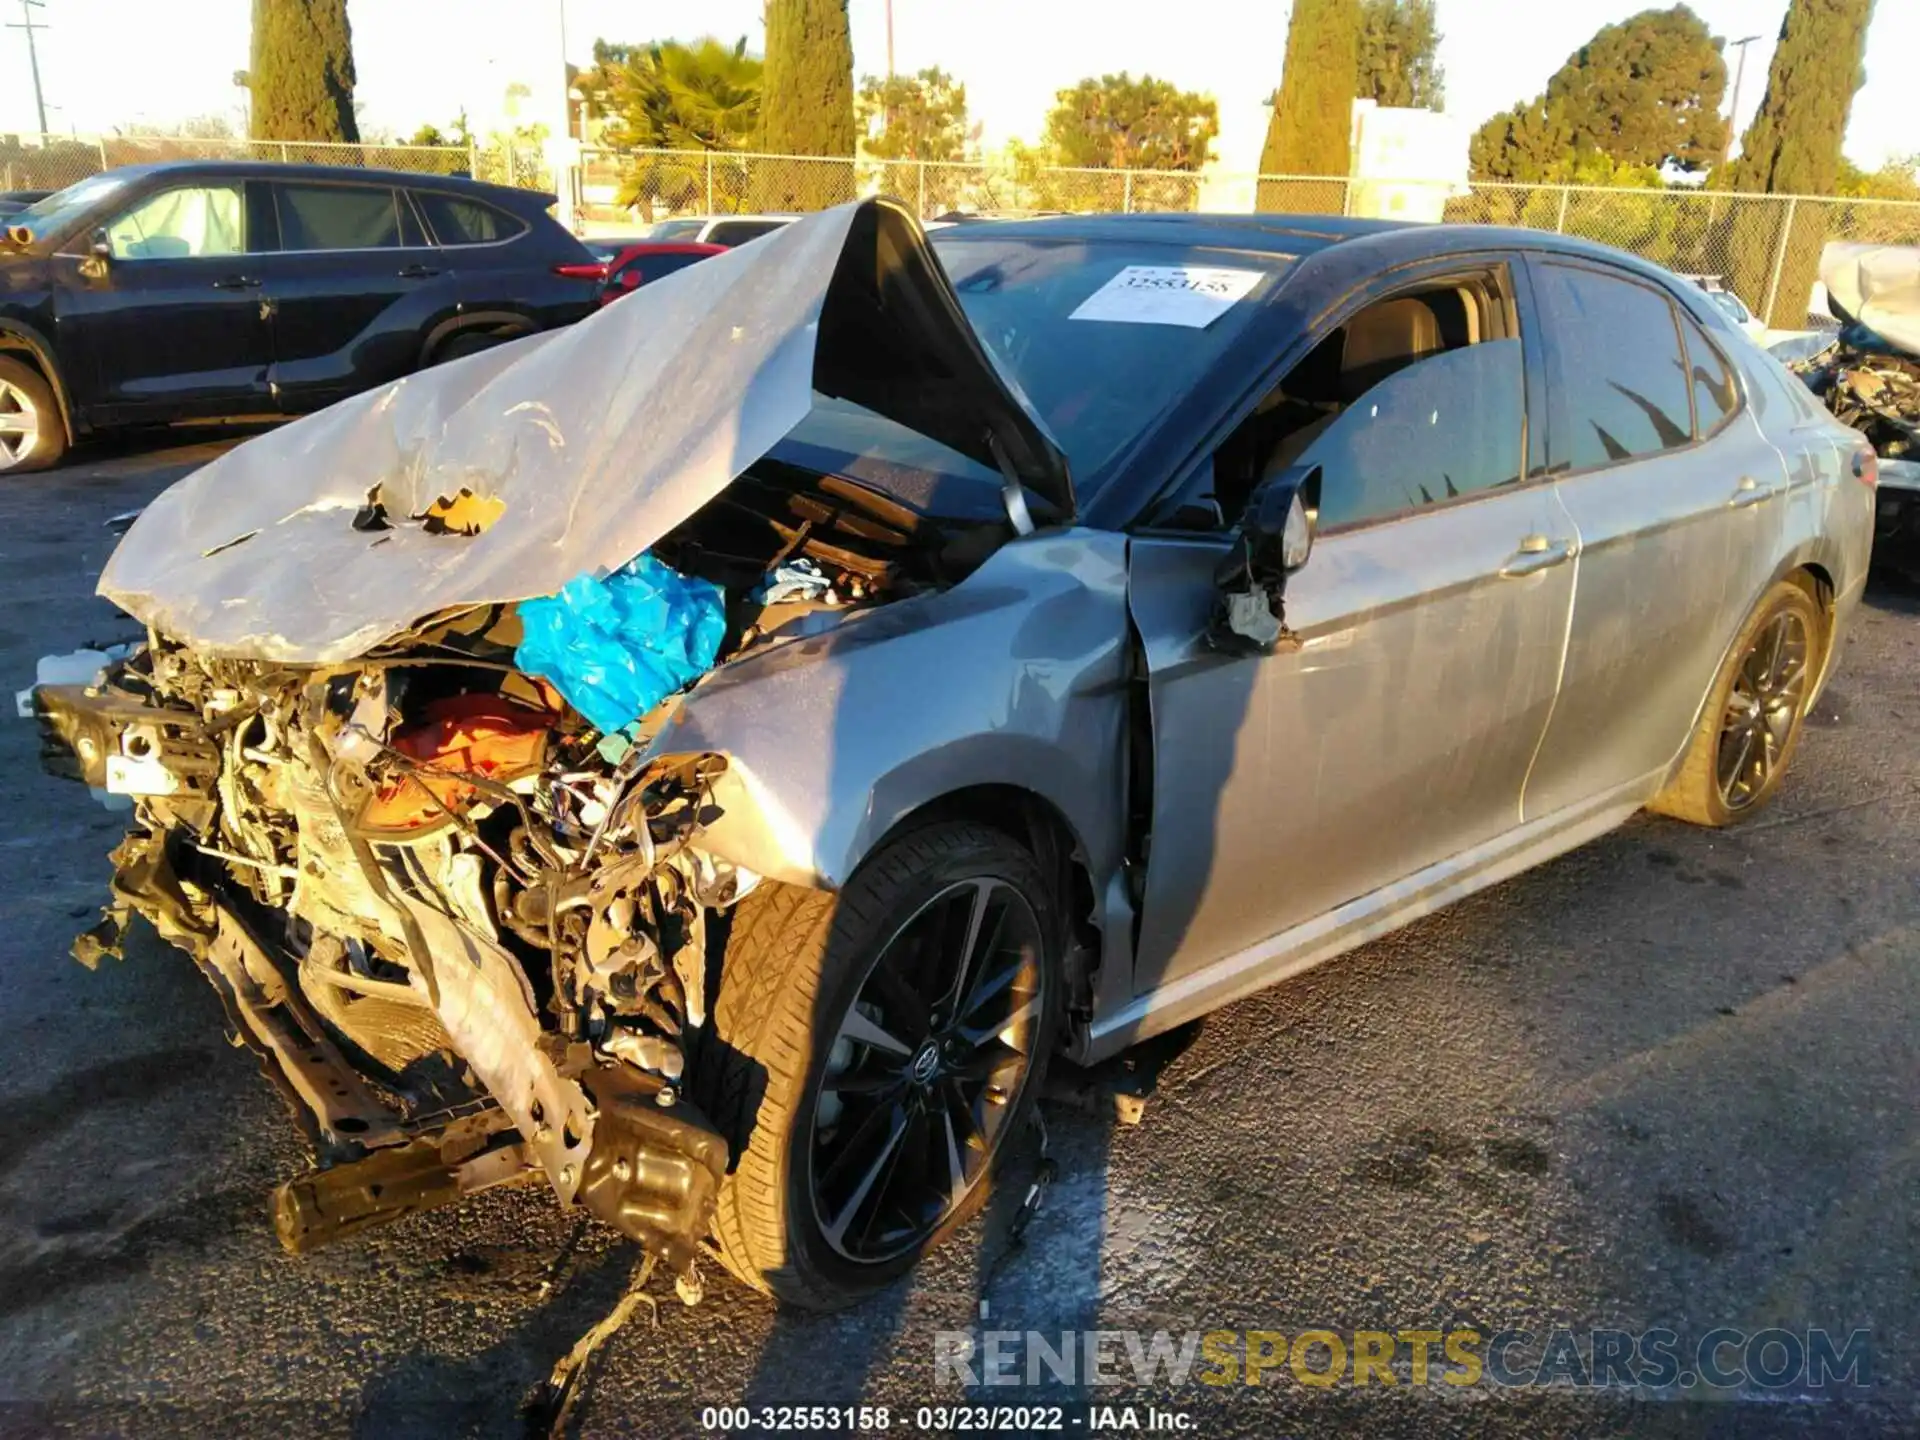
<point x="460" y="736"/>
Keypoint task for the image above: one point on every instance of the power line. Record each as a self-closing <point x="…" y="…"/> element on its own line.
<point x="29" y="24"/>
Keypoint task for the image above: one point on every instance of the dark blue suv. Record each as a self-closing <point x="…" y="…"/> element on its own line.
<point x="227" y="290"/>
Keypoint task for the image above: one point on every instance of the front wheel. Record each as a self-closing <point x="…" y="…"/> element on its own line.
<point x="32" y="434"/>
<point x="872" y="1054"/>
<point x="1751" y="722"/>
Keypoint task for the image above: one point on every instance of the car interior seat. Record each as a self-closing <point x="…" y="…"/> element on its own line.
<point x="1383" y="339"/>
<point x="1374" y="344"/>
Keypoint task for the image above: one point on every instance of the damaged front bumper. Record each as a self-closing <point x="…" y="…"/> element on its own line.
<point x="466" y="949"/>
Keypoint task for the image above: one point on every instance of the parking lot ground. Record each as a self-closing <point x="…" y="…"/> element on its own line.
<point x="1672" y="1079"/>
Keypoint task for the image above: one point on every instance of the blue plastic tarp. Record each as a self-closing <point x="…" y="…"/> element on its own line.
<point x="616" y="647"/>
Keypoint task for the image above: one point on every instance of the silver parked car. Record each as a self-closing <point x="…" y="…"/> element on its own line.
<point x="709" y="758"/>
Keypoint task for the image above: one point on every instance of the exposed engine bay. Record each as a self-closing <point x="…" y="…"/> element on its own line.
<point x="466" y="945"/>
<point x="1868" y="383"/>
<point x="1869" y="378"/>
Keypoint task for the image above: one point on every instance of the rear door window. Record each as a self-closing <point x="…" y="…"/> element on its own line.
<point x="1620" y="377"/>
<point x="412" y="236"/>
<point x="458" y="221"/>
<point x="338" y="217"/>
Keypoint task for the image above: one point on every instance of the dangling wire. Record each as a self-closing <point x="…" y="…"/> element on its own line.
<point x="552" y="1407"/>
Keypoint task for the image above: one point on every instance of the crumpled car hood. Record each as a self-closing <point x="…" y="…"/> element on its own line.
<point x="1878" y="285"/>
<point x="580" y="447"/>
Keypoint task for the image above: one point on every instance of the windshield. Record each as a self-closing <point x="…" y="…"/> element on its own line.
<point x="60" y="209"/>
<point x="1103" y="336"/>
<point x="676" y="230"/>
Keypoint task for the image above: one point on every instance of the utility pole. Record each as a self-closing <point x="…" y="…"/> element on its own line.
<point x="1733" y="111"/>
<point x="889" y="39"/>
<point x="29" y="24"/>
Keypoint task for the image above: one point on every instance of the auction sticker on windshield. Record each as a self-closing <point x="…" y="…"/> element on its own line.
<point x="1190" y="295"/>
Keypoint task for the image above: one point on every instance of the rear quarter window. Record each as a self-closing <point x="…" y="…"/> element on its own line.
<point x="456" y="220"/>
<point x="1715" y="397"/>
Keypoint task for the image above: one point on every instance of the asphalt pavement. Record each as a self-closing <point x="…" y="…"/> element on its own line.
<point x="1671" y="1080"/>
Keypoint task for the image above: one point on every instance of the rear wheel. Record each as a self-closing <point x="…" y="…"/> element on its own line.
<point x="872" y="1054"/>
<point x="471" y="342"/>
<point x="32" y="435"/>
<point x="1751" y="723"/>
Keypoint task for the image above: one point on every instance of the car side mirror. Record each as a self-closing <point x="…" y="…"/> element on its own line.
<point x="99" y="256"/>
<point x="1273" y="539"/>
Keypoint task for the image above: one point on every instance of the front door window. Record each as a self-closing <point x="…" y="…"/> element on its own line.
<point x="183" y="224"/>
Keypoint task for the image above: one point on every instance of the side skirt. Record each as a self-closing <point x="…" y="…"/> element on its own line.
<point x="1367" y="918"/>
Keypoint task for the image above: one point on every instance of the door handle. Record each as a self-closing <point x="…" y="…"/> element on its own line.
<point x="1751" y="492"/>
<point x="418" y="272"/>
<point x="1537" y="553"/>
<point x="237" y="282"/>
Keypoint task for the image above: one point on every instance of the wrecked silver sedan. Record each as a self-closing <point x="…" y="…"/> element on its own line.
<point x="711" y="757"/>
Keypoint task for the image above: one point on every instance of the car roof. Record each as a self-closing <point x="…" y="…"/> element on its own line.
<point x="1386" y="242"/>
<point x="1277" y="234"/>
<point x="511" y="196"/>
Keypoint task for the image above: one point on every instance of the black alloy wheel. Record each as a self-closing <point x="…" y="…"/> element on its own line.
<point x="927" y="1068"/>
<point x="1769" y="690"/>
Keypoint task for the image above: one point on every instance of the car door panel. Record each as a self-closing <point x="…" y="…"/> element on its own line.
<point x="353" y="289"/>
<point x="1397" y="734"/>
<point x="1430" y="629"/>
<point x="1676" y="546"/>
<point x="172" y="334"/>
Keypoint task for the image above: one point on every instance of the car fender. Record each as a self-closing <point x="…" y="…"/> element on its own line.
<point x="1013" y="678"/>
<point x="1821" y="553"/>
<point x="18" y="334"/>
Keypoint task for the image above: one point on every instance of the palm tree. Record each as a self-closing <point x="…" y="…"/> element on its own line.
<point x="674" y="95"/>
<point x="703" y="95"/>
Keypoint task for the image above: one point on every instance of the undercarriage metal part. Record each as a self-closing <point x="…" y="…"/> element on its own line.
<point x="481" y="998"/>
<point x="322" y="1206"/>
<point x="273" y="1017"/>
<point x="654" y="1169"/>
<point x="121" y="744"/>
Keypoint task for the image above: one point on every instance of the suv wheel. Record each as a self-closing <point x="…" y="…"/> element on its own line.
<point x="470" y="342"/>
<point x="872" y="1054"/>
<point x="32" y="436"/>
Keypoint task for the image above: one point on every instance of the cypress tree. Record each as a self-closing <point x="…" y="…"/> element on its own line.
<point x="1311" y="129"/>
<point x="1400" y="54"/>
<point x="1793" y="148"/>
<point x="301" y="77"/>
<point x="807" y="104"/>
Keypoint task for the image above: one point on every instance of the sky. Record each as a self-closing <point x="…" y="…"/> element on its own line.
<point x="121" y="64"/>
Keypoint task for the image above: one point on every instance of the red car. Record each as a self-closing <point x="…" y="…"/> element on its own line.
<point x="633" y="263"/>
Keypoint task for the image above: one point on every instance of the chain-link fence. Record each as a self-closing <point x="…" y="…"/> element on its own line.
<point x="660" y="184"/>
<point x="1766" y="248"/>
<point x="53" y="162"/>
